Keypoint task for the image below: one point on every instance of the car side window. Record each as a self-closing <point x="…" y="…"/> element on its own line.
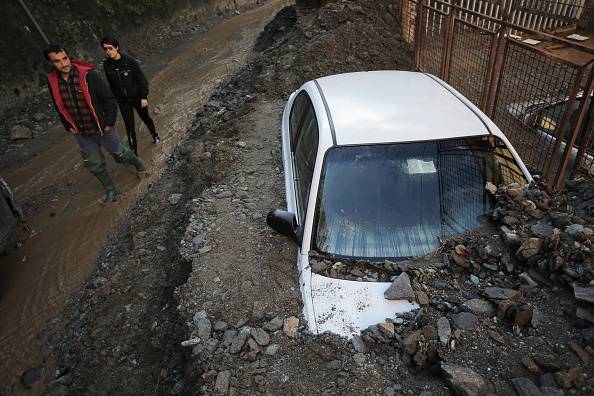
<point x="305" y="150"/>
<point x="298" y="112"/>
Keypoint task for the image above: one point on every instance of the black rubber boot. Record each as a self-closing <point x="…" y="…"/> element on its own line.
<point x="95" y="163"/>
<point x="124" y="155"/>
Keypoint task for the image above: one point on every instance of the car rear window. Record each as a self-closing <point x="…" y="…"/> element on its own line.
<point x="395" y="200"/>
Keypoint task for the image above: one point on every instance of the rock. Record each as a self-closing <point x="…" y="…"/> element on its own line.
<point x="515" y="192"/>
<point x="525" y="387"/>
<point x="211" y="344"/>
<point x="205" y="249"/>
<point x="585" y="314"/>
<point x="567" y="379"/>
<point x="574" y="229"/>
<point x="529" y="248"/>
<point x="38" y="116"/>
<point x="510" y="237"/>
<point x="204" y="329"/>
<point x="241" y="144"/>
<point x="272" y="349"/>
<point x="333" y="365"/>
<point x="220" y="326"/>
<point x="490" y="187"/>
<point x="537" y="318"/>
<point x="586" y="336"/>
<point x="191" y="342"/>
<point x="174" y="199"/>
<point x="290" y="326"/>
<point x="422" y="298"/>
<point x="528" y="279"/>
<point x="475" y="280"/>
<point x="359" y="344"/>
<point x="258" y="311"/>
<point x="498" y="293"/>
<point x="584" y="294"/>
<point x="400" y="289"/>
<point x="238" y="342"/>
<point x="359" y="358"/>
<point x="444" y="331"/>
<point x="530" y="364"/>
<point x="547" y="361"/>
<point x="464" y="381"/>
<point x="224" y="194"/>
<point x="464" y="320"/>
<point x="409" y="344"/>
<point x="582" y="354"/>
<point x="7" y="390"/>
<point x="387" y="329"/>
<point x="273" y="325"/>
<point x="318" y="267"/>
<point x="260" y="336"/>
<point x="222" y="384"/>
<point x="551" y="391"/>
<point x="31" y="376"/>
<point x="480" y="307"/>
<point x="542" y="229"/>
<point x="20" y="132"/>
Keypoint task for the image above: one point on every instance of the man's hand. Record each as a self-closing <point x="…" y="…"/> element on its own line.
<point x="107" y="128"/>
<point x="143" y="103"/>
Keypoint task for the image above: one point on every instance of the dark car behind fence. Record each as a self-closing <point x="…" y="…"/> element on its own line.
<point x="538" y="92"/>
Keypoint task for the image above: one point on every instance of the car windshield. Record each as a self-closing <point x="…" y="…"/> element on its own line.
<point x="395" y="200"/>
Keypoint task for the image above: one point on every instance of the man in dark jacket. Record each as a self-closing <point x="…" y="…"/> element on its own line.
<point x="130" y="86"/>
<point x="88" y="110"/>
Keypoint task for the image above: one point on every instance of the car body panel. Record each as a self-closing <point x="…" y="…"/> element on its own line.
<point x="347" y="307"/>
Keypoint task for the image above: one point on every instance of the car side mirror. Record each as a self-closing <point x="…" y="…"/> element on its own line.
<point x="284" y="223"/>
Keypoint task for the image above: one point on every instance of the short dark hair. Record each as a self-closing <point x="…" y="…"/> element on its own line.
<point x="109" y="40"/>
<point x="53" y="48"/>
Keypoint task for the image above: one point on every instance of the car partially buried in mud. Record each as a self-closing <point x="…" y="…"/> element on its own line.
<point x="381" y="166"/>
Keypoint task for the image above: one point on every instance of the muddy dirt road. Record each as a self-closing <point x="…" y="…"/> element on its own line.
<point x="71" y="223"/>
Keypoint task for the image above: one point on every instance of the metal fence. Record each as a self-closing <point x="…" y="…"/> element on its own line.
<point x="537" y="92"/>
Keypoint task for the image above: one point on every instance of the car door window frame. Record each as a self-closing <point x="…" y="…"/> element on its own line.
<point x="296" y="133"/>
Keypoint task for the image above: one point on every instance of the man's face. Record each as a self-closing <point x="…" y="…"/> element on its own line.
<point x="60" y="61"/>
<point x="110" y="50"/>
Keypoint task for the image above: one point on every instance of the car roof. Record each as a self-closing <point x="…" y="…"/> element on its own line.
<point x="396" y="106"/>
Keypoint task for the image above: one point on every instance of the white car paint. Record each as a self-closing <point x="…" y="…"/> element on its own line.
<point x="396" y="106"/>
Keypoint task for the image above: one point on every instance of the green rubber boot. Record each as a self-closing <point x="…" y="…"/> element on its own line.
<point x="124" y="155"/>
<point x="95" y="163"/>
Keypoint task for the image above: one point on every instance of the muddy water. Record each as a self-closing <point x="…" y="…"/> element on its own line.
<point x="68" y="233"/>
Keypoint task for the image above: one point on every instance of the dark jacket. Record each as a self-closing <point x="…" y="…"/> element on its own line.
<point x="125" y="77"/>
<point x="99" y="98"/>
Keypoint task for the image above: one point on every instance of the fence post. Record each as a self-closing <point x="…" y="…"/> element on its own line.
<point x="576" y="131"/>
<point x="587" y="140"/>
<point x="419" y="34"/>
<point x="447" y="48"/>
<point x="550" y="171"/>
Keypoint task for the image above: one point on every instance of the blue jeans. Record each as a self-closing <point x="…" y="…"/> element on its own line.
<point x="90" y="144"/>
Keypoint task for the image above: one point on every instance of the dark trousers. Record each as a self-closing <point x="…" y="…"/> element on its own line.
<point x="126" y="108"/>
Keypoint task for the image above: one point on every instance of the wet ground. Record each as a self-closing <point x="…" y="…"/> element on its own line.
<point x="68" y="221"/>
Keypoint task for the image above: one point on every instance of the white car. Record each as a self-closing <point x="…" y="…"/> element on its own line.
<point x="379" y="165"/>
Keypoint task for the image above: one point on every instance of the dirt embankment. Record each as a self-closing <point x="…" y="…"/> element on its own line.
<point x="503" y="311"/>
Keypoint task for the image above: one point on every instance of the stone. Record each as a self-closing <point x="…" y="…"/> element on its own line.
<point x="333" y="365"/>
<point x="491" y="188"/>
<point x="499" y="293"/>
<point x="542" y="229"/>
<point x="238" y="342"/>
<point x="585" y="314"/>
<point x="272" y="349"/>
<point x="528" y="279"/>
<point x="547" y="361"/>
<point x="422" y="298"/>
<point x="359" y="344"/>
<point x="567" y="378"/>
<point x="204" y="329"/>
<point x="444" y="331"/>
<point x="510" y="237"/>
<point x="224" y="194"/>
<point x="258" y="311"/>
<point x="515" y="192"/>
<point x="464" y="381"/>
<point x="211" y="345"/>
<point x="222" y="383"/>
<point x="220" y="326"/>
<point x="290" y="326"/>
<point x="525" y="387"/>
<point x="551" y="391"/>
<point x="260" y="336"/>
<point x="400" y="289"/>
<point x="359" y="358"/>
<point x="387" y="329"/>
<point x="584" y="294"/>
<point x="174" y="199"/>
<point x="229" y="336"/>
<point x="480" y="307"/>
<point x="409" y="344"/>
<point x="574" y="229"/>
<point x="39" y="116"/>
<point x="31" y="376"/>
<point x="274" y="324"/>
<point x="318" y="267"/>
<point x="475" y="280"/>
<point x="464" y="320"/>
<point x="582" y="354"/>
<point x="529" y="248"/>
<point x="20" y="132"/>
<point x="530" y="364"/>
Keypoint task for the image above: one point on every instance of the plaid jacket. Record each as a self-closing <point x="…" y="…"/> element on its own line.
<point x="99" y="100"/>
